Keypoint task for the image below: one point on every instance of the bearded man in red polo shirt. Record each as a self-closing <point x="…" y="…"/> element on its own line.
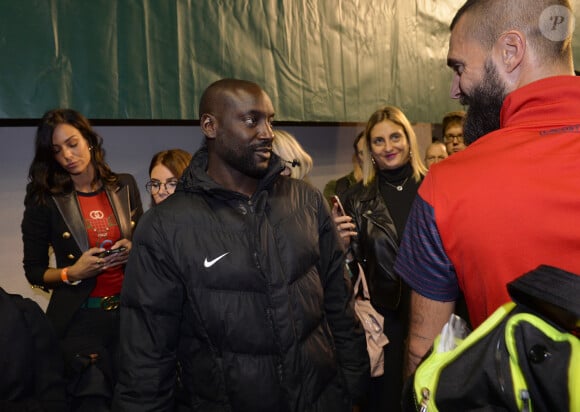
<point x="514" y="201"/>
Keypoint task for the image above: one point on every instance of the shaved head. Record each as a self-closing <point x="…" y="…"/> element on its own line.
<point x="220" y="94"/>
<point x="537" y="19"/>
<point x="236" y="119"/>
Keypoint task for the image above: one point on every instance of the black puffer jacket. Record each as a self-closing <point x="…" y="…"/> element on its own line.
<point x="244" y="300"/>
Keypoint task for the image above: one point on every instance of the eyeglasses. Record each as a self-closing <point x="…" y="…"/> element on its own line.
<point x="448" y="138"/>
<point x="153" y="186"/>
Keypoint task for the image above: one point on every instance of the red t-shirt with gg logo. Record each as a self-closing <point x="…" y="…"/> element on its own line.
<point x="102" y="231"/>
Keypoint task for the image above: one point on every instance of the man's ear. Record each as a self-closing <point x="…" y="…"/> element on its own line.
<point x="512" y="48"/>
<point x="208" y="125"/>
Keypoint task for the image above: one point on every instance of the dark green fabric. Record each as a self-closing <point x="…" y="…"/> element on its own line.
<point x="319" y="61"/>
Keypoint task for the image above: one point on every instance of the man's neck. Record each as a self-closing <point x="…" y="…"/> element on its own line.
<point x="233" y="180"/>
<point x="539" y="72"/>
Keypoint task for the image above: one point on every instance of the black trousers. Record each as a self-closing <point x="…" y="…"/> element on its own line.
<point x="91" y="353"/>
<point x="385" y="391"/>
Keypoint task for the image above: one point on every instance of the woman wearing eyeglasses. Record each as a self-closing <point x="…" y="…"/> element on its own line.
<point x="452" y="126"/>
<point x="377" y="209"/>
<point x="77" y="206"/>
<point x="164" y="172"/>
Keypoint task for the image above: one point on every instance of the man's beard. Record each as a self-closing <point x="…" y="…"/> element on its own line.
<point x="243" y="159"/>
<point x="484" y="102"/>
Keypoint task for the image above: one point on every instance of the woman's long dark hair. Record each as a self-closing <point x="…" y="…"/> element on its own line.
<point x="46" y="176"/>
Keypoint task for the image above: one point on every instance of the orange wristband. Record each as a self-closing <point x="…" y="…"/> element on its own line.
<point x="64" y="277"/>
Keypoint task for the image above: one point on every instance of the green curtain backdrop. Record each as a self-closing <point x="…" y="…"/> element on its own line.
<point x="320" y="60"/>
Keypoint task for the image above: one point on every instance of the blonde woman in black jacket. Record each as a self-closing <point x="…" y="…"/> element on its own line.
<point x="377" y="209"/>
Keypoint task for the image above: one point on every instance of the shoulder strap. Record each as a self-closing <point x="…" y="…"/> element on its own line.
<point x="361" y="279"/>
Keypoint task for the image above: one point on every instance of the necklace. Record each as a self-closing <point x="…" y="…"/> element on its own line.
<point x="398" y="187"/>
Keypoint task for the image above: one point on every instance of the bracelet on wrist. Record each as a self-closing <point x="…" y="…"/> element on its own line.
<point x="64" y="277"/>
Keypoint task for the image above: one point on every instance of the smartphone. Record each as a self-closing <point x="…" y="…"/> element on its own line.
<point x="336" y="201"/>
<point x="110" y="252"/>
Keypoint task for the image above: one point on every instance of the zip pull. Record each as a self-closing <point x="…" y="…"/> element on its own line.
<point x="525" y="397"/>
<point x="425" y="395"/>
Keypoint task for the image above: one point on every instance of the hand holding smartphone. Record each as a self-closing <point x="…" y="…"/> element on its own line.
<point x="343" y="222"/>
<point x="110" y="252"/>
<point x="336" y="201"/>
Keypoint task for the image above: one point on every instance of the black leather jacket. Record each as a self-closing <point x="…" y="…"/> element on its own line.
<point x="376" y="245"/>
<point x="60" y="223"/>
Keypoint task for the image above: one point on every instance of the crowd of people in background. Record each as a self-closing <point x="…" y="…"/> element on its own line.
<point x="234" y="290"/>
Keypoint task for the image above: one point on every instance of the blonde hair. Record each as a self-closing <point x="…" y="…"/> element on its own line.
<point x="395" y="115"/>
<point x="287" y="147"/>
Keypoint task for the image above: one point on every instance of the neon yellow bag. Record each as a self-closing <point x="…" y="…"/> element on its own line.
<point x="524" y="357"/>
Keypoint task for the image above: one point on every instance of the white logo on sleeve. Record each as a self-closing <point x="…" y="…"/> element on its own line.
<point x="210" y="263"/>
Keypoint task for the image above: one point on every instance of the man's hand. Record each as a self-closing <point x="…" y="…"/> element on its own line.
<point x="426" y="321"/>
